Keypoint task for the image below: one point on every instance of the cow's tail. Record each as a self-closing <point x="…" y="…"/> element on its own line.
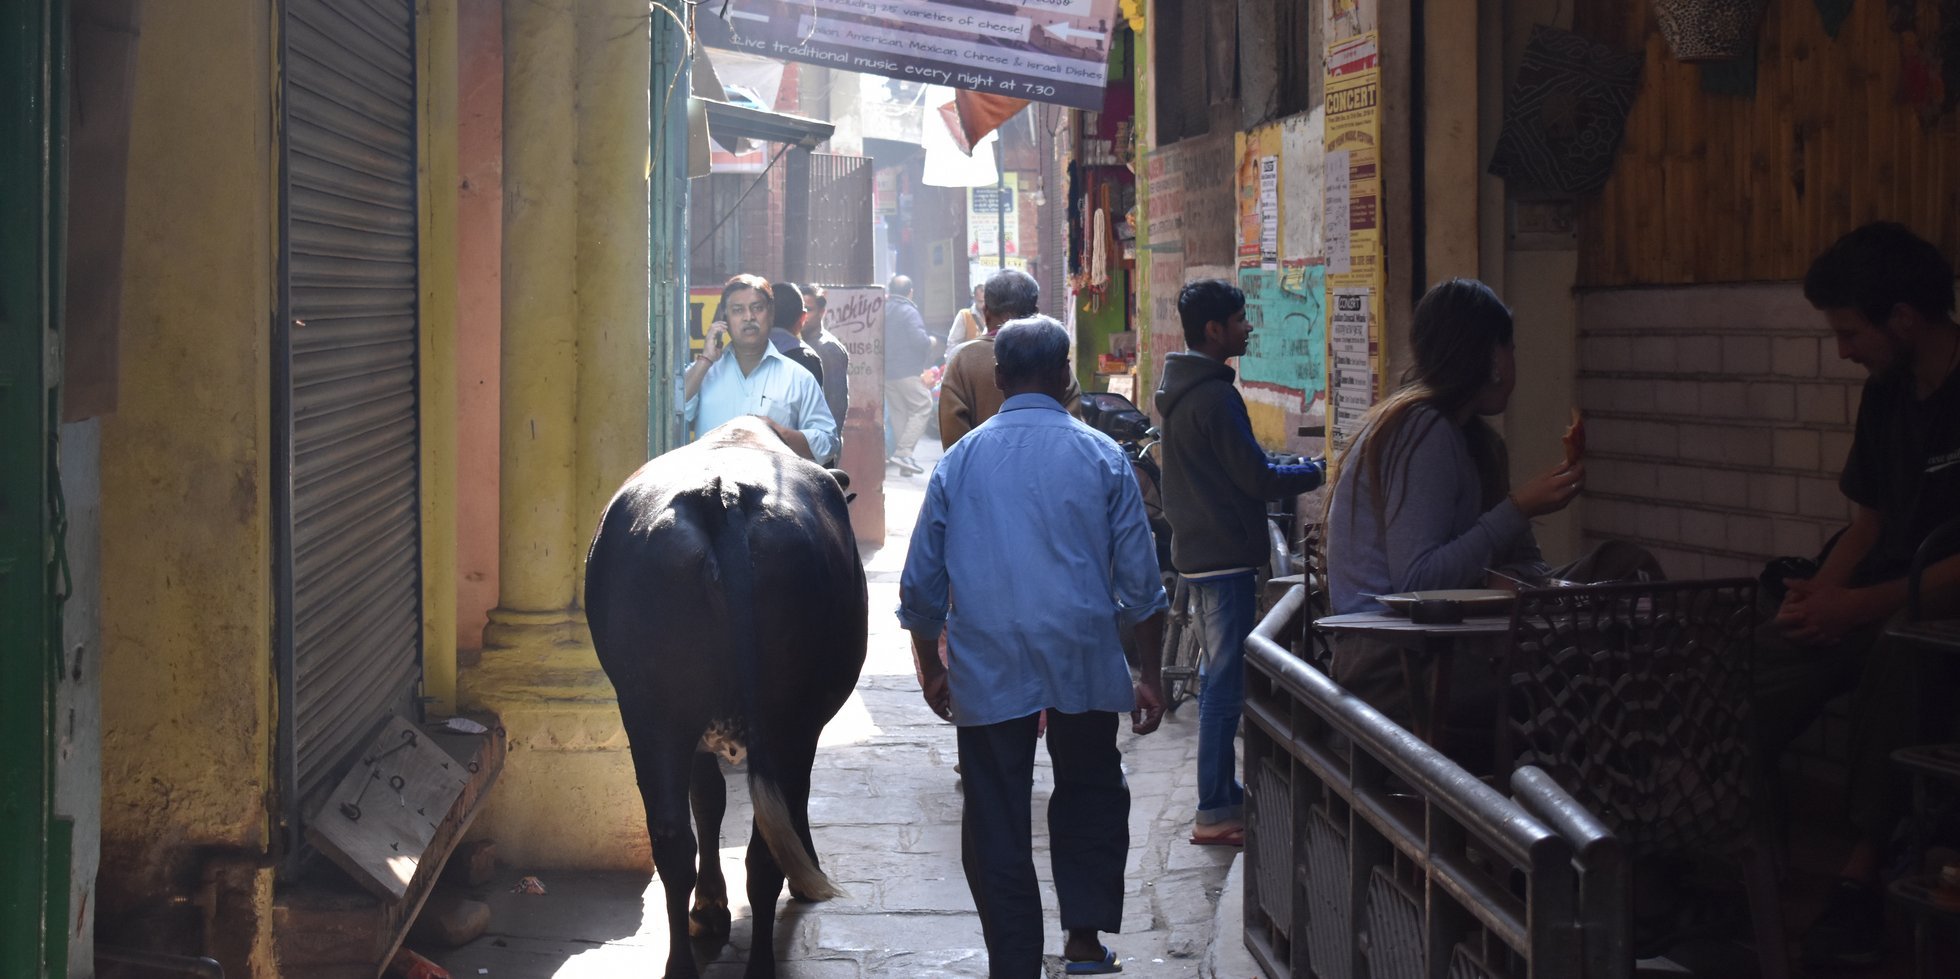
<point x="772" y="816"/>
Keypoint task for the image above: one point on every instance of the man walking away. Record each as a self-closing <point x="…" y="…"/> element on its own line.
<point x="1035" y="521"/>
<point x="967" y="394"/>
<point x="908" y="349"/>
<point x="1217" y="481"/>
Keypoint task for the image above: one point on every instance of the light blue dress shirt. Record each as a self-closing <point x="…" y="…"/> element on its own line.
<point x="1034" y="526"/>
<point x="778" y="388"/>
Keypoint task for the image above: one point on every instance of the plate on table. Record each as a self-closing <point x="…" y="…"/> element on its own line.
<point x="1473" y="601"/>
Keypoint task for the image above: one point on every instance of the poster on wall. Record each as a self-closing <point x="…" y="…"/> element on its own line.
<point x="1302" y="175"/>
<point x="990" y="212"/>
<point x="1351" y="358"/>
<point x="1355" y="278"/>
<point x="1259" y="190"/>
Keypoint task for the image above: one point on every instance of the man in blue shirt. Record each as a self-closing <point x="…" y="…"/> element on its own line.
<point x="1030" y="547"/>
<point x="758" y="379"/>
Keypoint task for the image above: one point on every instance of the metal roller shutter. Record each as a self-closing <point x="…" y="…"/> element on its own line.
<point x="350" y="620"/>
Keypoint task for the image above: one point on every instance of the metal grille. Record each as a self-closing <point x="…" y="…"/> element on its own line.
<point x="829" y="238"/>
<point x="1271" y="809"/>
<point x="1395" y="932"/>
<point x="1465" y="964"/>
<point x="351" y="547"/>
<point x="1329" y="912"/>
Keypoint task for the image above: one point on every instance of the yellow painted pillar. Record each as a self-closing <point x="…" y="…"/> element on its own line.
<point x="436" y="37"/>
<point x="540" y="347"/>
<point x="574" y="421"/>
<point x="615" y="54"/>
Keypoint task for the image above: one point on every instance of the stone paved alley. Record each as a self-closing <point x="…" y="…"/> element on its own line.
<point x="885" y="812"/>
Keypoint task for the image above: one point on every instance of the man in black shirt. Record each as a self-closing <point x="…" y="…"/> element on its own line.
<point x="1888" y="297"/>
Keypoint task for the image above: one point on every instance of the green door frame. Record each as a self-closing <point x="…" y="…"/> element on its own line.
<point x="33" y="866"/>
<point x="668" y="89"/>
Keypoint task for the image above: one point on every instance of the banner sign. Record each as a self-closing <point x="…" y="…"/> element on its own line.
<point x="1054" y="51"/>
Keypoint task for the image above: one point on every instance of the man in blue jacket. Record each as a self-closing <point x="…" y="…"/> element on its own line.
<point x="1217" y="480"/>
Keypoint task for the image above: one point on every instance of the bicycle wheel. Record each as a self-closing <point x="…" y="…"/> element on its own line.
<point x="1183" y="648"/>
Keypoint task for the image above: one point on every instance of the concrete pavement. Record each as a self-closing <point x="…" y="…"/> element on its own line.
<point x="885" y="814"/>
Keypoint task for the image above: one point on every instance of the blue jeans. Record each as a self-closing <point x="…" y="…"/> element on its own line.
<point x="1225" y="614"/>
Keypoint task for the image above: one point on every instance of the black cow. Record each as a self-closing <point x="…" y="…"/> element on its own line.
<point x="727" y="604"/>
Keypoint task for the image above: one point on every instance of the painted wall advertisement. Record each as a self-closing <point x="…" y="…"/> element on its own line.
<point x="1054" y="51"/>
<point x="856" y="315"/>
<point x="1352" y="227"/>
<point x="1283" y="368"/>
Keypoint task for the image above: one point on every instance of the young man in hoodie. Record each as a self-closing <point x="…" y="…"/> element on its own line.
<point x="1217" y="481"/>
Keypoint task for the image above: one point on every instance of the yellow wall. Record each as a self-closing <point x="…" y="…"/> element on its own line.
<point x="187" y="674"/>
<point x="188" y="690"/>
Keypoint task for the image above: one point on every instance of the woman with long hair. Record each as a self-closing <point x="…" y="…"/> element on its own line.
<point x="1423" y="497"/>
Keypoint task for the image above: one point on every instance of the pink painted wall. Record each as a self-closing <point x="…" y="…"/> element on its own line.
<point x="479" y="233"/>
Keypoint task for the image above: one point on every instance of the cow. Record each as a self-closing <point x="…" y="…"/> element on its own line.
<point x="727" y="604"/>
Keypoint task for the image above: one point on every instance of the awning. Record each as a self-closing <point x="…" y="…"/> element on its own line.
<point x="727" y="121"/>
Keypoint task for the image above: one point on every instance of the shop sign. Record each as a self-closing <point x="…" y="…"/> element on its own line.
<point x="989" y="212"/>
<point x="1054" y="51"/>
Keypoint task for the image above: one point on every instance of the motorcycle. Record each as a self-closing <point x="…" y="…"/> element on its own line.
<point x="1120" y="419"/>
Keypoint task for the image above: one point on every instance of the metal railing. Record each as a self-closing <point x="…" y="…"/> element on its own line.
<point x="1369" y="853"/>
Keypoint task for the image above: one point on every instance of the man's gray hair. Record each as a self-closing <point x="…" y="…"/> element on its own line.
<point x="1012" y="293"/>
<point x="1028" y="346"/>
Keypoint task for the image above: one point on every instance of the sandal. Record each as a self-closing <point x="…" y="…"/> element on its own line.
<point x="1233" y="837"/>
<point x="1106" y="965"/>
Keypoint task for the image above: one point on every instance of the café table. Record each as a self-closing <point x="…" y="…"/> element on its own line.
<point x="1425" y="648"/>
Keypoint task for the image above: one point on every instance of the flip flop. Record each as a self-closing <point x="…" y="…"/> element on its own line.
<point x="1234" y="838"/>
<point x="1106" y="965"/>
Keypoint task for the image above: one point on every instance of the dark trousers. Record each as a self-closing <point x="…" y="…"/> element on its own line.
<point x="1088" y="832"/>
<point x="1902" y="695"/>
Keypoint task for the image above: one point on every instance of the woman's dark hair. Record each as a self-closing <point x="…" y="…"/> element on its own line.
<point x="1459" y="326"/>
<point x="1206" y="301"/>
<point x="1878" y="267"/>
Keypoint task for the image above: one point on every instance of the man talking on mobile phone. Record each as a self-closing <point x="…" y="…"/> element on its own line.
<point x="757" y="379"/>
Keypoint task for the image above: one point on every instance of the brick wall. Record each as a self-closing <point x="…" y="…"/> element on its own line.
<point x="1718" y="418"/>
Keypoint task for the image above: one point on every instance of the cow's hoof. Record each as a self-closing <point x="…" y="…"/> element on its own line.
<point x="708" y="924"/>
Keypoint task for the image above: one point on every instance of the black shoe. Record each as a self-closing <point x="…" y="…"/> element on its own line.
<point x="1851" y="930"/>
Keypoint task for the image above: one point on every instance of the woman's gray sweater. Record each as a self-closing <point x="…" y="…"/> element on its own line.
<point x="1431" y="533"/>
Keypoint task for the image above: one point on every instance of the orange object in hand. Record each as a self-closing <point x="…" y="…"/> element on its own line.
<point x="1575" y="439"/>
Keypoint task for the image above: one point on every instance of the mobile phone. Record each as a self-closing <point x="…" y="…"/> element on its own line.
<point x="717" y="338"/>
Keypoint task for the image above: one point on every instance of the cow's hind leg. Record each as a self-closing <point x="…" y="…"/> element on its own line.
<point x="765" y="885"/>
<point x="709" y="921"/>
<point x="662" y="767"/>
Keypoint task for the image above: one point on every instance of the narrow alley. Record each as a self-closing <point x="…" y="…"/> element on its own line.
<point x="885" y="811"/>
